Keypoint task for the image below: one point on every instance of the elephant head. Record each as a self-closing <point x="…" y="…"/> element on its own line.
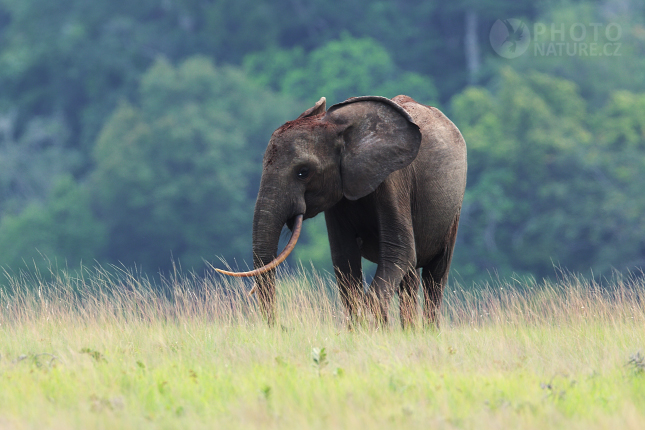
<point x="318" y="159"/>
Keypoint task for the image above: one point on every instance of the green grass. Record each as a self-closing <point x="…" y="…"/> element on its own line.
<point x="107" y="351"/>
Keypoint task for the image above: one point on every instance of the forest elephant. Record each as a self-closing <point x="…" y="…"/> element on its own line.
<point x="390" y="177"/>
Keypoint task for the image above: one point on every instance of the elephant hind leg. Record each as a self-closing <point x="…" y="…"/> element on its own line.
<point x="408" y="299"/>
<point x="433" y="294"/>
<point x="435" y="277"/>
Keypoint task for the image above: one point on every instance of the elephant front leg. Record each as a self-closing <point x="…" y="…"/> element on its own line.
<point x="397" y="252"/>
<point x="346" y="258"/>
<point x="389" y="275"/>
<point x="350" y="288"/>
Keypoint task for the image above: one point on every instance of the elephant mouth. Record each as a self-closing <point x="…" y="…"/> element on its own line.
<point x="290" y="222"/>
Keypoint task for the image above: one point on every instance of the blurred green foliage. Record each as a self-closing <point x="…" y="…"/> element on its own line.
<point x="338" y="70"/>
<point x="49" y="236"/>
<point x="175" y="174"/>
<point x="527" y="189"/>
<point x="134" y="132"/>
<point x="549" y="184"/>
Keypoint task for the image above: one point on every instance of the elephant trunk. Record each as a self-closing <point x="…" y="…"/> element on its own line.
<point x="267" y="226"/>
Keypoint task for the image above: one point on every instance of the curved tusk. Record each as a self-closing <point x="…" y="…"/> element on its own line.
<point x="279" y="259"/>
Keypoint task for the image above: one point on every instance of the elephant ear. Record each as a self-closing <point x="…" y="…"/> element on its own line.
<point x="316" y="109"/>
<point x="379" y="137"/>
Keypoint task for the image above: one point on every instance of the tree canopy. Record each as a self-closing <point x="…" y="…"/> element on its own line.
<point x="133" y="133"/>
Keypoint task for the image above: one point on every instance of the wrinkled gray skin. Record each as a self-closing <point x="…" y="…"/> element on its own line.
<point x="390" y="177"/>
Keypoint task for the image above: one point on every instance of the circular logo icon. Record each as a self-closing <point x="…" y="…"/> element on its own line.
<point x="509" y="37"/>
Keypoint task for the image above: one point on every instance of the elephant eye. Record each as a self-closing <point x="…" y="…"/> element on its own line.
<point x="303" y="173"/>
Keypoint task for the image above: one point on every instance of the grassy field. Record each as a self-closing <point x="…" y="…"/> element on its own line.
<point x="107" y="351"/>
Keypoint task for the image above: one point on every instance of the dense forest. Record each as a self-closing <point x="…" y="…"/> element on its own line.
<point x="133" y="132"/>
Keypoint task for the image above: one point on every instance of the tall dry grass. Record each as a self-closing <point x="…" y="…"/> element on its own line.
<point x="111" y="348"/>
<point x="305" y="298"/>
